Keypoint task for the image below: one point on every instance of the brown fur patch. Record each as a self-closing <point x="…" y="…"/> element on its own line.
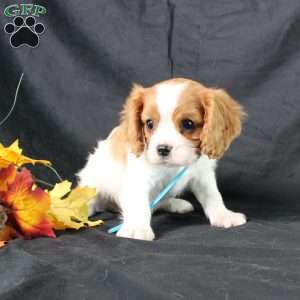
<point x="131" y="119"/>
<point x="119" y="144"/>
<point x="150" y="111"/>
<point x="217" y="117"/>
<point x="140" y="106"/>
<point x="190" y="107"/>
<point x="222" y="122"/>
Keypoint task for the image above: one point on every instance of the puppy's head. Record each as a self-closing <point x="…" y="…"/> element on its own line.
<point x="177" y="120"/>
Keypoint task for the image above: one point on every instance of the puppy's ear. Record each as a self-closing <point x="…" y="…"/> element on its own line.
<point x="131" y="118"/>
<point x="222" y="122"/>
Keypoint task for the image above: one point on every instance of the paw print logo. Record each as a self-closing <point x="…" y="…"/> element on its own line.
<point x="24" y="31"/>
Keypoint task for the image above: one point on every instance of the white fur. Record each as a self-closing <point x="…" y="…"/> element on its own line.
<point x="167" y="96"/>
<point x="134" y="185"/>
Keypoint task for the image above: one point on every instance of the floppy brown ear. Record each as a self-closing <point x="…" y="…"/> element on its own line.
<point x="222" y="122"/>
<point x="131" y="119"/>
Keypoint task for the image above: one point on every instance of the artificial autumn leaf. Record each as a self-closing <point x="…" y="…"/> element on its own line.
<point x="59" y="191"/>
<point x="28" y="206"/>
<point x="7" y="176"/>
<point x="6" y="234"/>
<point x="13" y="155"/>
<point x="72" y="211"/>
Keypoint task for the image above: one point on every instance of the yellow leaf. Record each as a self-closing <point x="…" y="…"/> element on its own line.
<point x="61" y="189"/>
<point x="72" y="211"/>
<point x="15" y="147"/>
<point x="13" y="155"/>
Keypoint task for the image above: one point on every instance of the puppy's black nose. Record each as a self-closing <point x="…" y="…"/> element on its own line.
<point x="164" y="150"/>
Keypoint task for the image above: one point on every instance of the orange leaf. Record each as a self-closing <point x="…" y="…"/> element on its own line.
<point x="2" y="244"/>
<point x="7" y="176"/>
<point x="28" y="206"/>
<point x="13" y="155"/>
<point x="7" y="233"/>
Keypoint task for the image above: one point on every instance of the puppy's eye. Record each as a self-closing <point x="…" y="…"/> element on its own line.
<point x="187" y="124"/>
<point x="149" y="124"/>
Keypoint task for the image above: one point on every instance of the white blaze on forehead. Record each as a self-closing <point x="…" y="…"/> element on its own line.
<point x="167" y="96"/>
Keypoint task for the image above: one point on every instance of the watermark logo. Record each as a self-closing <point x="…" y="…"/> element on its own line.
<point x="24" y="30"/>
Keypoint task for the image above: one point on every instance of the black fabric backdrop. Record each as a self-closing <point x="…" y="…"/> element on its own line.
<point x="74" y="84"/>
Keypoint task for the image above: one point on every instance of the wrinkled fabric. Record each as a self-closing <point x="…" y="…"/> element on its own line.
<point x="73" y="88"/>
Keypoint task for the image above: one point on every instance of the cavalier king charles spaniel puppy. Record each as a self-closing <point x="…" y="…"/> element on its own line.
<point x="175" y="123"/>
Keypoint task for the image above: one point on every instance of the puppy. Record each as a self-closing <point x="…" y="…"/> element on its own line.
<point x="175" y="123"/>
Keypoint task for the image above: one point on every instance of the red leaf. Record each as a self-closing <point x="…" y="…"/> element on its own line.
<point x="28" y="206"/>
<point x="7" y="176"/>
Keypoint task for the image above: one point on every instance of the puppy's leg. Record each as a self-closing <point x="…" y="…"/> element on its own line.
<point x="176" y="205"/>
<point x="136" y="212"/>
<point x="92" y="207"/>
<point x="102" y="173"/>
<point x="206" y="191"/>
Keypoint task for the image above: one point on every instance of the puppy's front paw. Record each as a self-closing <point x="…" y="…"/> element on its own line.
<point x="227" y="218"/>
<point x="139" y="232"/>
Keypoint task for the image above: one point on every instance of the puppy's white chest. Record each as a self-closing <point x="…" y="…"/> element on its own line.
<point x="162" y="177"/>
<point x="196" y="171"/>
